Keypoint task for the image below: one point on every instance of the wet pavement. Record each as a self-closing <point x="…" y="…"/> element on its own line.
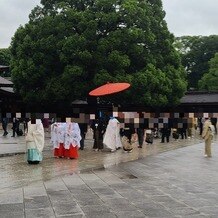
<point x="160" y="180"/>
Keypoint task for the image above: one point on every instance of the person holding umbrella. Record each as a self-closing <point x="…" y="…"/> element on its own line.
<point x="112" y="134"/>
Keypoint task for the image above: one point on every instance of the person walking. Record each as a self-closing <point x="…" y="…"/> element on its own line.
<point x="183" y="132"/>
<point x="35" y="141"/>
<point x="72" y="140"/>
<point x="5" y="125"/>
<point x="201" y="124"/>
<point x="165" y="132"/>
<point x="112" y="135"/>
<point x="182" y="127"/>
<point x="15" y="123"/>
<point x="207" y="135"/>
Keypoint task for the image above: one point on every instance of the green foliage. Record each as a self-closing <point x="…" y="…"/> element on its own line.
<point x="209" y="80"/>
<point x="5" y="57"/>
<point x="70" y="47"/>
<point x="196" y="52"/>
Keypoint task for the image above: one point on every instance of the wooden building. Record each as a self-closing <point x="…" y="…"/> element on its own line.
<point x="200" y="101"/>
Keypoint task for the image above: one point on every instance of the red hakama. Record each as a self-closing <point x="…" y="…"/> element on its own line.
<point x="72" y="152"/>
<point x="59" y="152"/>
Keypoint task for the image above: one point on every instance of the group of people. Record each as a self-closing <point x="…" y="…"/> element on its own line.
<point x="34" y="136"/>
<point x="68" y="137"/>
<point x="106" y="134"/>
<point x="207" y="129"/>
<point x="114" y="137"/>
<point x="16" y="130"/>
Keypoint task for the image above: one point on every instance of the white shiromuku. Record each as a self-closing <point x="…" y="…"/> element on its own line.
<point x="112" y="135"/>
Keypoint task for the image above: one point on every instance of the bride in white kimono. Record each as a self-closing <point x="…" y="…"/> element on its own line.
<point x="112" y="135"/>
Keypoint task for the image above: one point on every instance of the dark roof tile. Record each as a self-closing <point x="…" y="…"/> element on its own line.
<point x="197" y="98"/>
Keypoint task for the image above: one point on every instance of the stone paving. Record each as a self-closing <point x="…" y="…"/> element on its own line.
<point x="160" y="180"/>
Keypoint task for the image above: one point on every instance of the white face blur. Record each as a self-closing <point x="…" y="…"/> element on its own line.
<point x="38" y="121"/>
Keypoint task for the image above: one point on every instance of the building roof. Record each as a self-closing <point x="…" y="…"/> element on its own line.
<point x="79" y="102"/>
<point x="5" y="82"/>
<point x="3" y="67"/>
<point x="200" y="98"/>
<point x="7" y="89"/>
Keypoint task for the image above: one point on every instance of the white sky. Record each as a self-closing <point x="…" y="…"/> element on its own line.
<point x="184" y="17"/>
<point x="192" y="17"/>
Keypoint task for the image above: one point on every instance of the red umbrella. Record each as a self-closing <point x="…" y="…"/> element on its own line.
<point x="109" y="88"/>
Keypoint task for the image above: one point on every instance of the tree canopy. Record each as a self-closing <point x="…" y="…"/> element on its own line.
<point x="70" y="47"/>
<point x="5" y="57"/>
<point x="209" y="80"/>
<point x="196" y="52"/>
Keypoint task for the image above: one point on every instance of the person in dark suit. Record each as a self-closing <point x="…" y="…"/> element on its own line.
<point x="141" y="130"/>
<point x="15" y="126"/>
<point x="183" y="132"/>
<point x="141" y="134"/>
<point x="99" y="128"/>
<point x="183" y="129"/>
<point x="83" y="130"/>
<point x="165" y="132"/>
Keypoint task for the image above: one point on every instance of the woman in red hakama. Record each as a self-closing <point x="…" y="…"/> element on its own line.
<point x="57" y="138"/>
<point x="72" y="141"/>
<point x="59" y="152"/>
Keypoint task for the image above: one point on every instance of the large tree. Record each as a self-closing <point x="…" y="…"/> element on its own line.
<point x="69" y="47"/>
<point x="196" y="52"/>
<point x="209" y="80"/>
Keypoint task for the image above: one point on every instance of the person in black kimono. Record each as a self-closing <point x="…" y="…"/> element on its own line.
<point x="99" y="128"/>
